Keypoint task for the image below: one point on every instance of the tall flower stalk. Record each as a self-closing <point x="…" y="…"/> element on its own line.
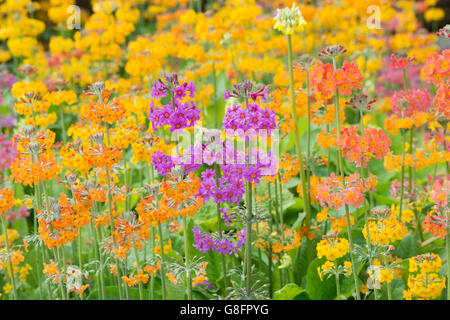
<point x="286" y="21"/>
<point x="334" y="51"/>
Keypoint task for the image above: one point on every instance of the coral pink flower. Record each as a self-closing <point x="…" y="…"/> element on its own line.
<point x="437" y="67"/>
<point x="331" y="192"/>
<point x="359" y="150"/>
<point x="417" y="100"/>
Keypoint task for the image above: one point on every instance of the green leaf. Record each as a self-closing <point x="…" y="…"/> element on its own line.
<point x="288" y="292"/>
<point x="300" y="264"/>
<point x="175" y="292"/>
<point x="316" y="288"/>
<point x="112" y="293"/>
<point x="21" y="226"/>
<point x="408" y="247"/>
<point x="397" y="288"/>
<point x="299" y="220"/>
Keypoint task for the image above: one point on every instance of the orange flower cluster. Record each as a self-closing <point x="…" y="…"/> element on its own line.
<point x="6" y="200"/>
<point x="103" y="156"/>
<point x="58" y="224"/>
<point x="152" y="270"/>
<point x="128" y="232"/>
<point x="51" y="270"/>
<point x="179" y="198"/>
<point x="325" y="80"/>
<point x="133" y="280"/>
<point x="34" y="160"/>
<point x="106" y="110"/>
<point x="360" y="149"/>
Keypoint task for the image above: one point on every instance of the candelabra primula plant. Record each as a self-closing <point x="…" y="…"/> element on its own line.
<point x="171" y="150"/>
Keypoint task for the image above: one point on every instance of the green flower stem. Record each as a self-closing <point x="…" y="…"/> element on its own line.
<point x="248" y="239"/>
<point x="141" y="288"/>
<point x="309" y="247"/>
<point x="162" y="272"/>
<point x="37" y="269"/>
<point x="305" y="190"/>
<point x="5" y="234"/>
<point x="152" y="277"/>
<point x="329" y="154"/>
<point x="347" y="211"/>
<point x="338" y="285"/>
<point x="187" y="261"/>
<point x="280" y="227"/>
<point x="410" y="170"/>
<point x="283" y="236"/>
<point x="216" y="107"/>
<point x="80" y="261"/>
<point x="270" y="242"/>
<point x="63" y="126"/>
<point x="308" y="103"/>
<point x="126" y="182"/>
<point x="61" y="263"/>
<point x="411" y="148"/>
<point x="257" y="232"/>
<point x="125" y="271"/>
<point x="61" y="288"/>
<point x="100" y="259"/>
<point x="219" y="227"/>
<point x="141" y="179"/>
<point x="402" y="177"/>
<point x="38" y="196"/>
<point x="389" y="289"/>
<point x="111" y="219"/>
<point x="448" y="255"/>
<point x="64" y="261"/>
<point x="366" y="217"/>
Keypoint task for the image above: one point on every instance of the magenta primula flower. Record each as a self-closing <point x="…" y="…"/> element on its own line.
<point x="204" y="242"/>
<point x="162" y="163"/>
<point x="177" y="113"/>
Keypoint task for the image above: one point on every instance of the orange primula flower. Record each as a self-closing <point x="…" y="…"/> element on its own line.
<point x="6" y="200"/>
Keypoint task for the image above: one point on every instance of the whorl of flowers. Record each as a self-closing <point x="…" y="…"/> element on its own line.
<point x="331" y="192"/>
<point x="34" y="160"/>
<point x="177" y="113"/>
<point x="254" y="117"/>
<point x="437" y="222"/>
<point x="441" y="100"/>
<point x="162" y="163"/>
<point x="361" y="102"/>
<point x="400" y="60"/>
<point x="204" y="242"/>
<point x="360" y="149"/>
<point x="288" y="19"/>
<point x="384" y="227"/>
<point x="325" y="80"/>
<point x="424" y="281"/>
<point x="406" y="103"/>
<point x="332" y="247"/>
<point x="57" y="224"/>
<point x="444" y="32"/>
<point x="437" y="67"/>
<point x="6" y="200"/>
<point x="106" y="109"/>
<point x="332" y="51"/>
<point x="246" y="90"/>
